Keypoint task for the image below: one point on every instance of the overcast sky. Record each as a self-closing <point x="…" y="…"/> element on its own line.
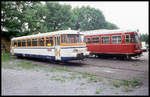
<point x="126" y="15"/>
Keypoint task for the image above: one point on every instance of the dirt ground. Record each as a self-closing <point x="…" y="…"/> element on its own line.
<point x="31" y="82"/>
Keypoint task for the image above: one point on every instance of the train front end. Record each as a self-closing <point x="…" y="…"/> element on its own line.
<point x="135" y="38"/>
<point x="73" y="47"/>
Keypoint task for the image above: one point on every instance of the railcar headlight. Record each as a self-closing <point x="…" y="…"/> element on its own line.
<point x="75" y="50"/>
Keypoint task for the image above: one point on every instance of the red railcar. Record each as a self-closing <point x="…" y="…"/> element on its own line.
<point x="118" y="43"/>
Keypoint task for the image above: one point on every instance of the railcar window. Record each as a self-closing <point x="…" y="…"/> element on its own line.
<point x="79" y="38"/>
<point x="95" y="40"/>
<point x="41" y="42"/>
<point x="137" y="38"/>
<point x="71" y="38"/>
<point x="116" y="39"/>
<point x="23" y="43"/>
<point x="15" y="44"/>
<point x="19" y="43"/>
<point x="49" y="41"/>
<point x="87" y="40"/>
<point x="57" y="40"/>
<point x="106" y="40"/>
<point x="134" y="38"/>
<point x="29" y="42"/>
<point x="34" y="42"/>
<point x="64" y="38"/>
<point x="127" y="38"/>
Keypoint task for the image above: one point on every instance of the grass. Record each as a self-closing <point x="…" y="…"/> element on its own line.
<point x="97" y="91"/>
<point x="84" y="75"/>
<point x="63" y="78"/>
<point x="6" y="57"/>
<point x="81" y="84"/>
<point x="25" y="65"/>
<point x="129" y="83"/>
<point x="127" y="89"/>
<point x="62" y="69"/>
<point x="73" y="76"/>
<point x="117" y="84"/>
<point x="58" y="78"/>
<point x="93" y="78"/>
<point x="11" y="66"/>
<point x="133" y="83"/>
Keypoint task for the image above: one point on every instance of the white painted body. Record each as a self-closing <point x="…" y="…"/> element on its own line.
<point x="65" y="52"/>
<point x="56" y="52"/>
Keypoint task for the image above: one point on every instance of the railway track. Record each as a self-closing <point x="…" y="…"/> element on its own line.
<point x="81" y="64"/>
<point x="119" y="68"/>
<point x="116" y="67"/>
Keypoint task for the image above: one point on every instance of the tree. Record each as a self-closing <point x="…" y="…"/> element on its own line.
<point x="59" y="16"/>
<point x="18" y="18"/>
<point x="145" y="37"/>
<point x="110" y="26"/>
<point x="28" y="17"/>
<point x="90" y="19"/>
<point x="10" y="24"/>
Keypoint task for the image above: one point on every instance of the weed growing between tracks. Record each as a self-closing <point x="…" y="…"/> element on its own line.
<point x="97" y="91"/>
<point x="127" y="85"/>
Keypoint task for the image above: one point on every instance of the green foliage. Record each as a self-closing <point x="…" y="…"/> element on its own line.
<point x="81" y="84"/>
<point x="6" y="57"/>
<point x="84" y="75"/>
<point x="59" y="16"/>
<point x="16" y="16"/>
<point x="145" y="37"/>
<point x="116" y="84"/>
<point x="90" y="19"/>
<point x="26" y="65"/>
<point x="133" y="83"/>
<point x="28" y="17"/>
<point x="127" y="89"/>
<point x="59" y="78"/>
<point x="62" y="69"/>
<point x="110" y="26"/>
<point x="97" y="92"/>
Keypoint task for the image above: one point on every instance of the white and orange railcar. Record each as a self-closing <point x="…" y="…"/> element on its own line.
<point x="61" y="45"/>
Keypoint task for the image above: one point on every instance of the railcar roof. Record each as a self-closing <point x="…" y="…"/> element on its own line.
<point x="105" y="31"/>
<point x="49" y="33"/>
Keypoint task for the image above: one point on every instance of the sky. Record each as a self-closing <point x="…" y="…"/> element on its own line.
<point x="126" y="15"/>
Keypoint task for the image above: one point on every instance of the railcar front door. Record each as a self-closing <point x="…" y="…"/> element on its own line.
<point x="57" y="48"/>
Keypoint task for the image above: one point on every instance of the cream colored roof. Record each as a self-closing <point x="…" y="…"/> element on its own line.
<point x="105" y="31"/>
<point x="49" y="33"/>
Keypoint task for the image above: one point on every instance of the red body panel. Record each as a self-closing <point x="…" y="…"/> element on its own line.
<point x="113" y="48"/>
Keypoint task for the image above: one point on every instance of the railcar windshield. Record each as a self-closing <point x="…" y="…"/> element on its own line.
<point x="72" y="38"/>
<point x="135" y="38"/>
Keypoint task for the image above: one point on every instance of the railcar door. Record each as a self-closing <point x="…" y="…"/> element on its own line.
<point x="57" y="47"/>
